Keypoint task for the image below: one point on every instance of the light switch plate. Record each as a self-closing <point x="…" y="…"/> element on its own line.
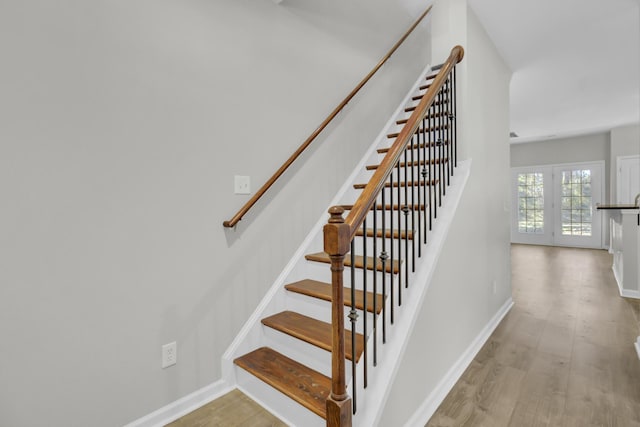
<point x="242" y="185"/>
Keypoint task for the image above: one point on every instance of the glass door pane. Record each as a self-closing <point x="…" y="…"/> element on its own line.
<point x="532" y="215"/>
<point x="578" y="189"/>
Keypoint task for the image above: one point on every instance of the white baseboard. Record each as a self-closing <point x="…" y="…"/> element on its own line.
<point x="630" y="294"/>
<point x="626" y="293"/>
<point x="183" y="406"/>
<point x="429" y="406"/>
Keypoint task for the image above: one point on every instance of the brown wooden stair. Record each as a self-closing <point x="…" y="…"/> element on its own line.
<point x="390" y="267"/>
<point x="413" y="147"/>
<point x="413" y="107"/>
<point x="322" y="290"/>
<point x="388" y="207"/>
<point x="302" y="384"/>
<point x="396" y="233"/>
<point x="312" y="331"/>
<point x="402" y="184"/>
<point x="420" y="129"/>
<point x="435" y="161"/>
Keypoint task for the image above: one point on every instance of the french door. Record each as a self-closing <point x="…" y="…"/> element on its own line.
<point x="556" y="205"/>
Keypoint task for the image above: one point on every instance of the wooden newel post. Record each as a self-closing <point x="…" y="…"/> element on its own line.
<point x="337" y="238"/>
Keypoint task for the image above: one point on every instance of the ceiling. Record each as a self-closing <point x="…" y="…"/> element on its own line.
<point x="575" y="63"/>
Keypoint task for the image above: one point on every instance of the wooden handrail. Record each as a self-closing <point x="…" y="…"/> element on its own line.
<point x="252" y="201"/>
<point x="364" y="203"/>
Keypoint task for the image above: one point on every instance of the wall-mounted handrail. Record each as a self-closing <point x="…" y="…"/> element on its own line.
<point x="252" y="201"/>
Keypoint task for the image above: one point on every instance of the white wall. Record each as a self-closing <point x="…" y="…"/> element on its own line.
<point x="625" y="141"/>
<point x="123" y="124"/>
<point x="460" y="301"/>
<point x="575" y="149"/>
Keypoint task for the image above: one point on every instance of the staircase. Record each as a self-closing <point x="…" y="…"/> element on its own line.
<point x="289" y="344"/>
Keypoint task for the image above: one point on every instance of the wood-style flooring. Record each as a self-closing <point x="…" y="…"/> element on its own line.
<point x="563" y="356"/>
<point x="234" y="409"/>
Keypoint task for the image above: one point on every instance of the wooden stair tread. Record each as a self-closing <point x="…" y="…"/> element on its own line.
<point x="413" y="107"/>
<point x="323" y="291"/>
<point x="413" y="147"/>
<point x="433" y="115"/>
<point x="304" y="385"/>
<point x="415" y="163"/>
<point x="419" y="130"/>
<point x="402" y="184"/>
<point x="396" y="233"/>
<point x="312" y="331"/>
<point x="431" y="76"/>
<point x="388" y="207"/>
<point x="418" y="97"/>
<point x="390" y="267"/>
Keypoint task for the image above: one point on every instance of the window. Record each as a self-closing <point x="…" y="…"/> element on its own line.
<point x="530" y="203"/>
<point x="576" y="202"/>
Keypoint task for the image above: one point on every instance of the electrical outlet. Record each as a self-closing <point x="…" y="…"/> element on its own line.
<point x="242" y="185"/>
<point x="169" y="354"/>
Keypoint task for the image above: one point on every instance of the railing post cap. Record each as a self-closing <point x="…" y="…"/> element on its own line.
<point x="336" y="215"/>
<point x="461" y="50"/>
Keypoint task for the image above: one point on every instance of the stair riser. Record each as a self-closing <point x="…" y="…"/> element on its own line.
<point x="321" y="309"/>
<point x="273" y="400"/>
<point x="294" y="348"/>
<point x="322" y="272"/>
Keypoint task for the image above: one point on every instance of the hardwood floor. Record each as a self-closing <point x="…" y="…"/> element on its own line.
<point x="563" y="356"/>
<point x="234" y="409"/>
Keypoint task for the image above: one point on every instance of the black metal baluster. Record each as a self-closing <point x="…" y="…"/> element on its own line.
<point x="420" y="190"/>
<point x="353" y="317"/>
<point x="443" y="188"/>
<point x="383" y="260"/>
<point x="364" y="292"/>
<point x="455" y="120"/>
<point x="439" y="150"/>
<point x="432" y="163"/>
<point x="413" y="201"/>
<point x="399" y="231"/>
<point x="405" y="210"/>
<point x="447" y="133"/>
<point x="375" y="282"/>
<point x="450" y="124"/>
<point x="391" y="184"/>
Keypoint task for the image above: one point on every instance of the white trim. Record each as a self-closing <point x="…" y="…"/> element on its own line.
<point x="625" y="293"/>
<point x="429" y="406"/>
<point x="637" y="345"/>
<point x="182" y="406"/>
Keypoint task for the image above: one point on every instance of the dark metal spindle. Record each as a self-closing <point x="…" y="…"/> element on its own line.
<point x="399" y="231"/>
<point x="364" y="292"/>
<point x="391" y="183"/>
<point x="420" y="190"/>
<point x="413" y="201"/>
<point x="455" y="120"/>
<point x="375" y="283"/>
<point x="353" y="317"/>
<point x="383" y="260"/>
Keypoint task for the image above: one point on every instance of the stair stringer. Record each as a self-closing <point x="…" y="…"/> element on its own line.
<point x="252" y="334"/>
